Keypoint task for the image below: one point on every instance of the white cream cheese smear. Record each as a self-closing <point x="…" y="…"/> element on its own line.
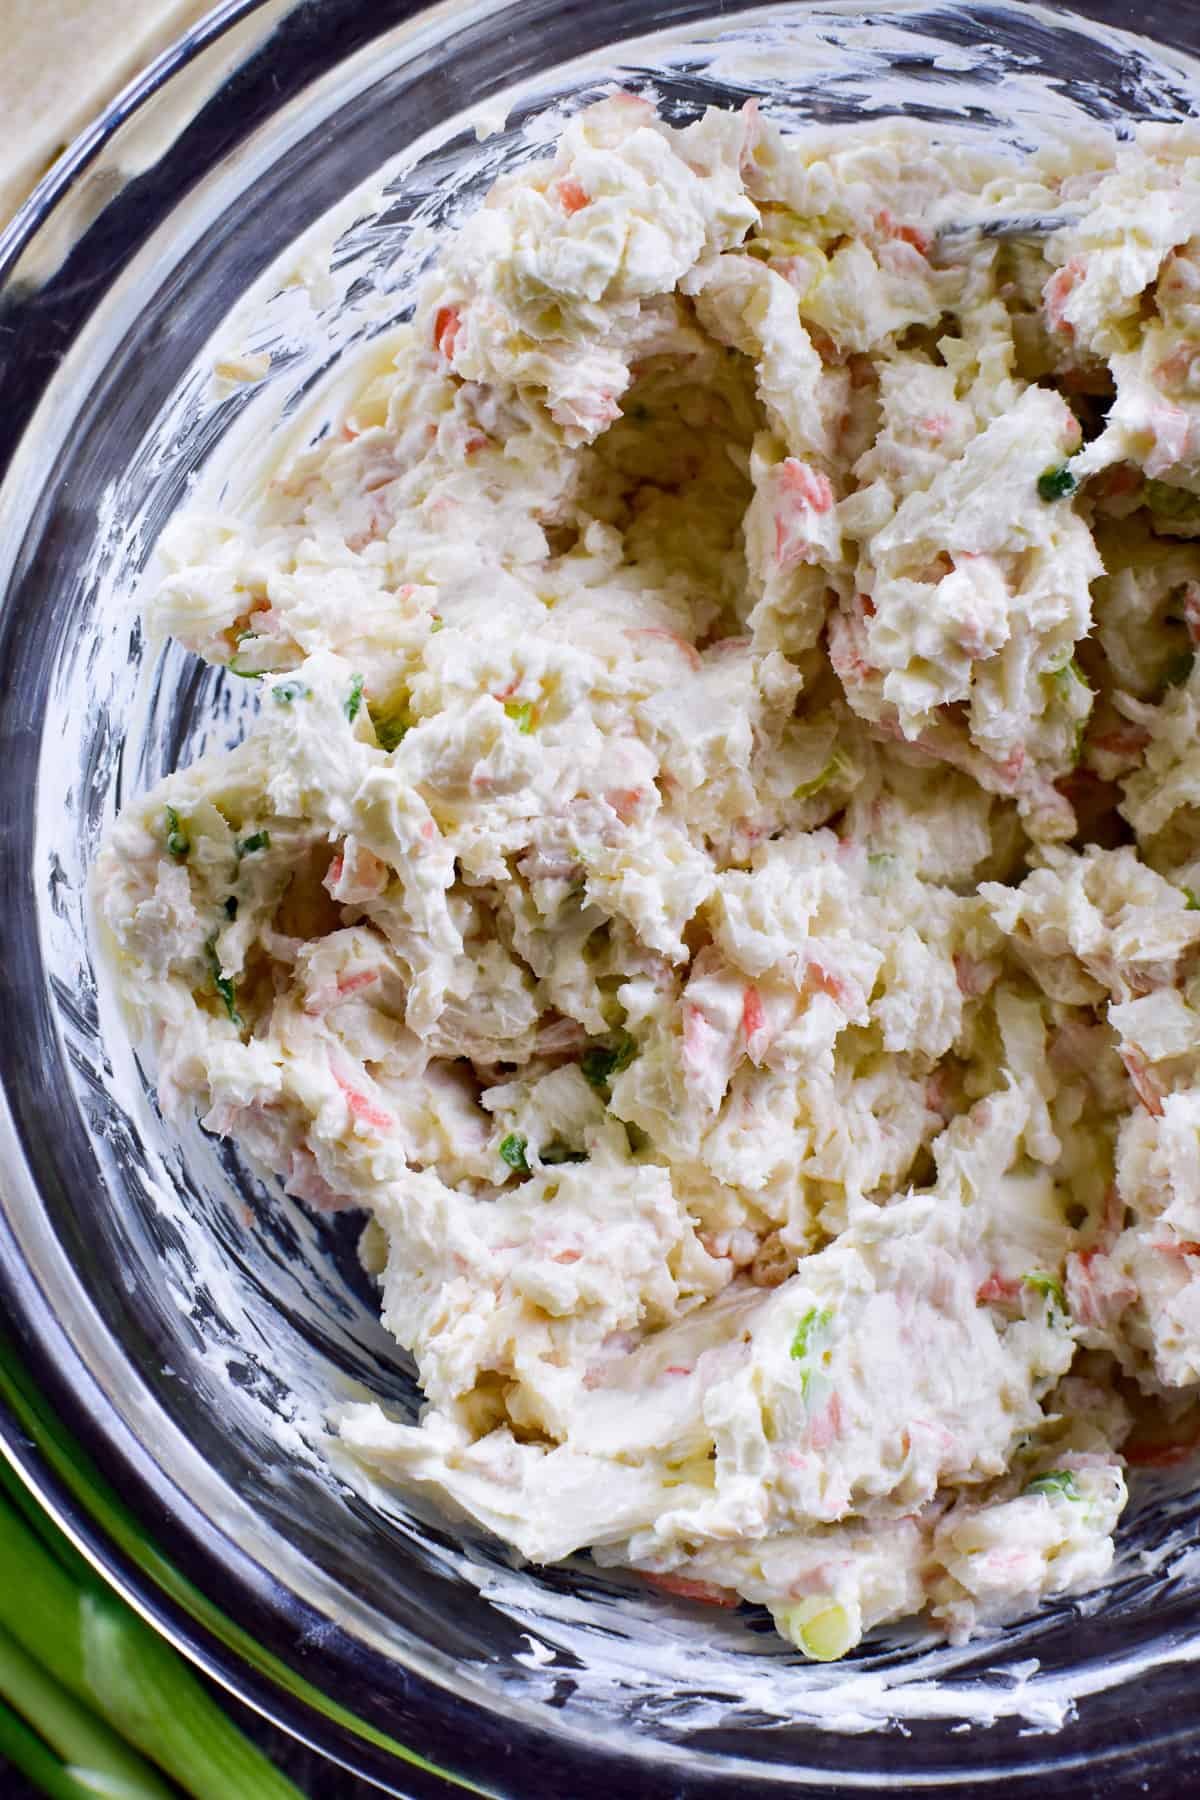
<point x="715" y="870"/>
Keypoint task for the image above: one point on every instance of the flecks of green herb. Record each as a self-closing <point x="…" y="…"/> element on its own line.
<point x="561" y="1153"/>
<point x="178" y="841"/>
<point x="1071" y="671"/>
<point x="1169" y="502"/>
<point x="839" y="767"/>
<point x="1052" y="1289"/>
<point x="245" y="674"/>
<point x="438" y="623"/>
<point x="390" y="729"/>
<point x="1070" y="675"/>
<point x="599" y="1064"/>
<point x="353" y="700"/>
<point x="521" y="714"/>
<point x="221" y="982"/>
<point x="815" y="1321"/>
<point x="258" y="840"/>
<point x="1081" y="726"/>
<point x="1055" y="1481"/>
<point x="512" y="1151"/>
<point x="284" y="692"/>
<point x="1193" y="903"/>
<point x="1056" y="483"/>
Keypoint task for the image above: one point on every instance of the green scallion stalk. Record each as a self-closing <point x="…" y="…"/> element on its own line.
<point x="71" y="1729"/>
<point x="148" y="1693"/>
<point x="25" y="1750"/>
<point x="91" y="1644"/>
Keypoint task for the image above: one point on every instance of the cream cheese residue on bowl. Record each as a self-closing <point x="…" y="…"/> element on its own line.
<point x="715" y="870"/>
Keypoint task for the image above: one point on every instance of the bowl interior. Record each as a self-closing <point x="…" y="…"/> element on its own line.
<point x="192" y="1324"/>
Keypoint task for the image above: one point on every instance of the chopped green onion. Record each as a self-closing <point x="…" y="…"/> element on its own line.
<point x="353" y="700"/>
<point x="512" y="1151"/>
<point x="1169" y="502"/>
<point x="389" y="730"/>
<point x="1071" y="671"/>
<point x="1056" y="483"/>
<point x="598" y="1065"/>
<point x="521" y="713"/>
<point x="245" y="674"/>
<point x="1178" y="669"/>
<point x="438" y="624"/>
<point x="284" y="692"/>
<point x="178" y="841"/>
<point x="258" y="840"/>
<point x="815" y="1321"/>
<point x="561" y="1153"/>
<point x="1055" y="1481"/>
<point x="1051" y="1289"/>
<point x="838" y="768"/>
<point x="1193" y="904"/>
<point x="221" y="982"/>
<point x="822" y="1628"/>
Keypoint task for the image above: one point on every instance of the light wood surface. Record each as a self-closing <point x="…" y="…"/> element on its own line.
<point x="61" y="61"/>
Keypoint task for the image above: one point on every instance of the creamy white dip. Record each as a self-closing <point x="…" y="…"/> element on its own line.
<point x="714" y="871"/>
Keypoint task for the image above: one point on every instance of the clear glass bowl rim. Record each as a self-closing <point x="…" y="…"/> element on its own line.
<point x="51" y="1427"/>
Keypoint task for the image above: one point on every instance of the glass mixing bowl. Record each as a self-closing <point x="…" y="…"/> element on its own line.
<point x="174" y="1329"/>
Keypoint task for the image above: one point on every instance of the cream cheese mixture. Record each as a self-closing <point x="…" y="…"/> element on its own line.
<point x="714" y="873"/>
